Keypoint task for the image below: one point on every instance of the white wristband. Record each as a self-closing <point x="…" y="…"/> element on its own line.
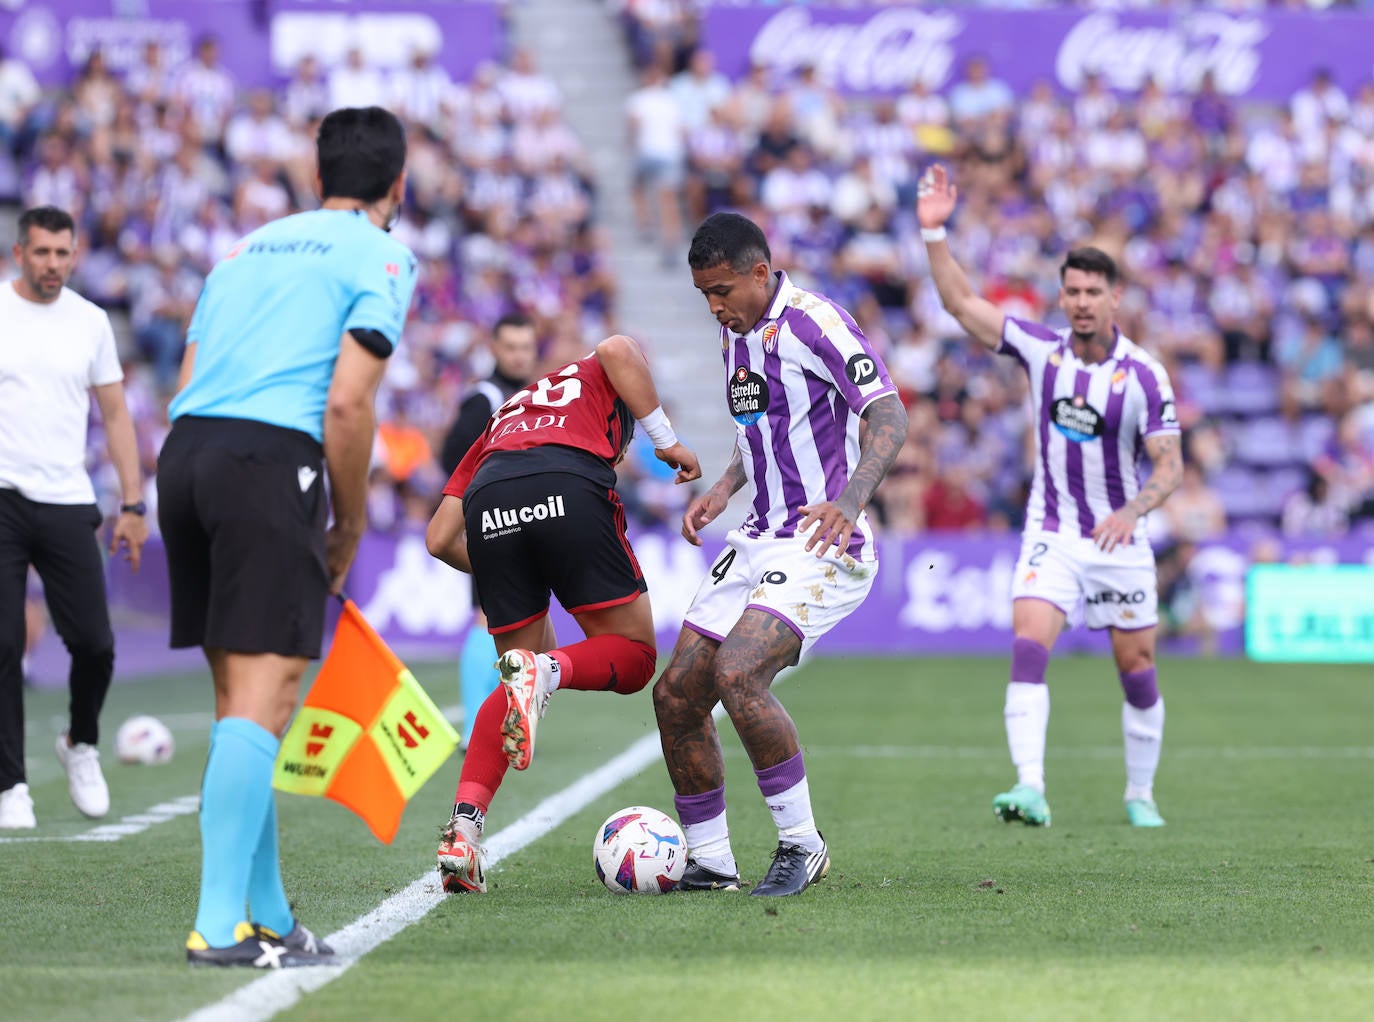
<point x="660" y="430"/>
<point x="933" y="234"/>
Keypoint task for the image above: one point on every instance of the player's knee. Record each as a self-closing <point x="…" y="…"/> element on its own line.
<point x="674" y="709"/>
<point x="93" y="652"/>
<point x="639" y="667"/>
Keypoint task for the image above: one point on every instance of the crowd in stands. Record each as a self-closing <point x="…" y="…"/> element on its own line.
<point x="1245" y="233"/>
<point x="165" y="168"/>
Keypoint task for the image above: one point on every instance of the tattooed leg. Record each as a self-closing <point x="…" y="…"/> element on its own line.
<point x="683" y="699"/>
<point x="757" y="648"/>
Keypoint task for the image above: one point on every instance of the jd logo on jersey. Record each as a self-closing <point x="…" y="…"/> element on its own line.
<point x="748" y="396"/>
<point x="1076" y="419"/>
<point x="861" y="369"/>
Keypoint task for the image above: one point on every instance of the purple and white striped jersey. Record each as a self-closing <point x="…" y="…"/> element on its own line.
<point x="1092" y="420"/>
<point x="796" y="385"/>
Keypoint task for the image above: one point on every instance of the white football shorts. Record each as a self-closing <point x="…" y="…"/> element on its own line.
<point x="1115" y="590"/>
<point x="809" y="594"/>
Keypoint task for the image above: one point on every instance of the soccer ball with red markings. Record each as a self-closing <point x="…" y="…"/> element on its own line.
<point x="640" y="850"/>
<point x="143" y="740"/>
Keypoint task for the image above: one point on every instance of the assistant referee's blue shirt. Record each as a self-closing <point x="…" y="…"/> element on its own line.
<point x="268" y="323"/>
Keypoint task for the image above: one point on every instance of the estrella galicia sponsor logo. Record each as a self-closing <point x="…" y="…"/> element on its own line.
<point x="1112" y="598"/>
<point x="748" y="396"/>
<point x="1076" y="419"/>
<point x="861" y="369"/>
<point x="502" y="521"/>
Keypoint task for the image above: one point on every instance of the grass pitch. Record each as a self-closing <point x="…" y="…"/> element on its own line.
<point x="1253" y="903"/>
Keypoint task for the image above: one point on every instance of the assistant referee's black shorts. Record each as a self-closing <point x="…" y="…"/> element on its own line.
<point x="242" y="508"/>
<point x="551" y="532"/>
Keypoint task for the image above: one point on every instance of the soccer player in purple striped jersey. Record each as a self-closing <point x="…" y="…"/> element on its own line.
<point x="1100" y="400"/>
<point x="800" y="380"/>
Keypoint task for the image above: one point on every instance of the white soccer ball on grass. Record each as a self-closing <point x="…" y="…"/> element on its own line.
<point x="640" y="850"/>
<point x="143" y="740"/>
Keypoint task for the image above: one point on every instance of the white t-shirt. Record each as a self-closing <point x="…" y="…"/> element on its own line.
<point x="50" y="357"/>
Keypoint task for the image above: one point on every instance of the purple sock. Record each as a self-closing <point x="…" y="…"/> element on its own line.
<point x="1141" y="688"/>
<point x="776" y="779"/>
<point x="1028" y="661"/>
<point x="693" y="809"/>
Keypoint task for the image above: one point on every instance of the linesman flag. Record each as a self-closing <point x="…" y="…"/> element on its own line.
<point x="368" y="736"/>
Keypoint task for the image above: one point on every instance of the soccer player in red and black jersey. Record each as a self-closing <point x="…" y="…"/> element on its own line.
<point x="531" y="511"/>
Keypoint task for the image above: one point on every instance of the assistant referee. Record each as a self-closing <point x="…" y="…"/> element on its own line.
<point x="284" y="354"/>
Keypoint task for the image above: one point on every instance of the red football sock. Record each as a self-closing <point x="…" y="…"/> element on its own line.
<point x="606" y="663"/>
<point x="485" y="764"/>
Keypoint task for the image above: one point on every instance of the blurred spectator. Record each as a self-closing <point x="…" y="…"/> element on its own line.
<point x="19" y="94"/>
<point x="979" y="94"/>
<point x="307" y="94"/>
<point x="258" y="133"/>
<point x="421" y="91"/>
<point x="1313" y="511"/>
<point x="699" y="90"/>
<point x="161" y="300"/>
<point x="150" y="80"/>
<point x="659" y="141"/>
<point x="205" y="89"/>
<point x="356" y="83"/>
<point x="1181" y="608"/>
<point x="1194" y="512"/>
<point x="948" y="504"/>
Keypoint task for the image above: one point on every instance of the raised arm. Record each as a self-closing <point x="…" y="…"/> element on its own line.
<point x="935" y="202"/>
<point x="1166" y="472"/>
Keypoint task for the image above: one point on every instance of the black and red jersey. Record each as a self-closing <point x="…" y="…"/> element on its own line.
<point x="573" y="410"/>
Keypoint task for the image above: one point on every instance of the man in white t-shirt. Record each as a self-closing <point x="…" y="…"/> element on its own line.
<point x="56" y="348"/>
<point x="660" y="145"/>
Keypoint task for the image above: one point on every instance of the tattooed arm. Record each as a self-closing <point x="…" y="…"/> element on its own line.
<point x="881" y="436"/>
<point x="711" y="503"/>
<point x="1166" y="472"/>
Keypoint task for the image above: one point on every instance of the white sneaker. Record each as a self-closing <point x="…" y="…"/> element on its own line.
<point x="84" y="780"/>
<point x="16" y="809"/>
<point x="527" y="680"/>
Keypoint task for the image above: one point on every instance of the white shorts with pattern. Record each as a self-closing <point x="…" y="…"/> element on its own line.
<point x="809" y="594"/>
<point x="1114" y="590"/>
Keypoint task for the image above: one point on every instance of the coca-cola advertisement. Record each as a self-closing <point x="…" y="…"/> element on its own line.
<point x="1262" y="55"/>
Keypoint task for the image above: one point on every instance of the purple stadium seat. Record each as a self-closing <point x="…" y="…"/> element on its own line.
<point x="1267" y="441"/>
<point x="1250" y="389"/>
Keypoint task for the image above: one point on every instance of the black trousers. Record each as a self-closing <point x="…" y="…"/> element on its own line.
<point x="59" y="540"/>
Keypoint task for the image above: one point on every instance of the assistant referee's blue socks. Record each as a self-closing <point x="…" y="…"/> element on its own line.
<point x="235" y="799"/>
<point x="267" y="904"/>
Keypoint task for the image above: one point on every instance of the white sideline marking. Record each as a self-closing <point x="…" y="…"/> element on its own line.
<point x="126" y="827"/>
<point x="264" y="998"/>
<point x="161" y="813"/>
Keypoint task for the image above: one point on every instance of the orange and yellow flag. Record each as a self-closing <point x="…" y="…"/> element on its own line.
<point x="368" y="736"/>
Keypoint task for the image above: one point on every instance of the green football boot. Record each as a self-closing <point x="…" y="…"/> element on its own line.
<point x="1022" y="803"/>
<point x="1143" y="813"/>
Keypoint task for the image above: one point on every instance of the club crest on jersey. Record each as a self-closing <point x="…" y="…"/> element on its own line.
<point x="1118" y="381"/>
<point x="748" y="394"/>
<point x="770" y="338"/>
<point x="1077" y="419"/>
